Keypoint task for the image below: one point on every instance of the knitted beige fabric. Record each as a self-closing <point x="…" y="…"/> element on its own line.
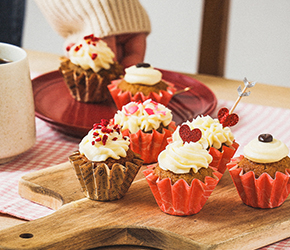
<point x="73" y="19"/>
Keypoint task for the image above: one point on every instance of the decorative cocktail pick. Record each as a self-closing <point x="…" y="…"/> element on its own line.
<point x="188" y="135"/>
<point x="228" y="118"/>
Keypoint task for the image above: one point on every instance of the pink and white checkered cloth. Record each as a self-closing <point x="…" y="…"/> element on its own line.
<point x="53" y="148"/>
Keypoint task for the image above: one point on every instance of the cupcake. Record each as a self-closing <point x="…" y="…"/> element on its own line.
<point x="261" y="175"/>
<point x="104" y="164"/>
<point x="88" y="70"/>
<point x="182" y="180"/>
<point x="218" y="140"/>
<point x="141" y="82"/>
<point x="148" y="125"/>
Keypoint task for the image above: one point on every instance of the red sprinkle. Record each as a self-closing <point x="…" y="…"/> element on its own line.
<point x="105" y="138"/>
<point x="115" y="139"/>
<point x="94" y="56"/>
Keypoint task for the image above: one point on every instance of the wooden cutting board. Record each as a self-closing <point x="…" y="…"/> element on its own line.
<point x="136" y="220"/>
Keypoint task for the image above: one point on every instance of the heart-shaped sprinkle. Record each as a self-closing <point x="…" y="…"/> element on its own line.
<point x="149" y="111"/>
<point x="131" y="109"/>
<point x="226" y="119"/>
<point x="188" y="135"/>
<point x="265" y="138"/>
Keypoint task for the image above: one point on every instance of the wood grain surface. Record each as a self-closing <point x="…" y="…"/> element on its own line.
<point x="136" y="220"/>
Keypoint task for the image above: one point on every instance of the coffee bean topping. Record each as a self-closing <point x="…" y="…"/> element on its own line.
<point x="143" y="65"/>
<point x="265" y="138"/>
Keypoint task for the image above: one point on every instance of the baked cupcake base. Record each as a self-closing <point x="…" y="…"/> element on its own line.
<point x="122" y="98"/>
<point x="262" y="192"/>
<point x="181" y="199"/>
<point x="102" y="183"/>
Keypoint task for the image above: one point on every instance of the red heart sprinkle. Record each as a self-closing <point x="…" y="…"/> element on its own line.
<point x="226" y="119"/>
<point x="188" y="135"/>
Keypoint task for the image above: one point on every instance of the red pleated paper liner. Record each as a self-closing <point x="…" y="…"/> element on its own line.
<point x="263" y="192"/>
<point x="221" y="159"/>
<point x="180" y="199"/>
<point x="149" y="145"/>
<point x="122" y="99"/>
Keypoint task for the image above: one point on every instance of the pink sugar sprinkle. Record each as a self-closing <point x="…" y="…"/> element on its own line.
<point x="149" y="111"/>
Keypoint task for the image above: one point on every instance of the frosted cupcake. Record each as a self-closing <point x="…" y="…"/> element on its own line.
<point x="148" y="125"/>
<point x="141" y="82"/>
<point x="261" y="175"/>
<point x="88" y="70"/>
<point x="218" y="140"/>
<point x="104" y="164"/>
<point x="182" y="180"/>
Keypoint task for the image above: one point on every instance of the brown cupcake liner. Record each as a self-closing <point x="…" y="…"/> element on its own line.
<point x="149" y="145"/>
<point x="86" y="86"/>
<point x="262" y="192"/>
<point x="180" y="198"/>
<point x="101" y="183"/>
<point x="122" y="98"/>
<point x="223" y="157"/>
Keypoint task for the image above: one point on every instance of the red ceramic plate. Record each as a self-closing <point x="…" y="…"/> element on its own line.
<point x="54" y="104"/>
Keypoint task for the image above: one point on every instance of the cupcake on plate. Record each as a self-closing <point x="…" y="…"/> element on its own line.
<point x="261" y="175"/>
<point x="88" y="70"/>
<point x="141" y="82"/>
<point x="148" y="125"/>
<point x="104" y="164"/>
<point x="216" y="138"/>
<point x="182" y="180"/>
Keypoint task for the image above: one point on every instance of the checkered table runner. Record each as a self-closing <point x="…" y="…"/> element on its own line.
<point x="52" y="148"/>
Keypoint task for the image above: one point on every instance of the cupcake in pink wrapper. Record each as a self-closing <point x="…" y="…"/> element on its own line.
<point x="261" y="175"/>
<point x="182" y="180"/>
<point x="148" y="125"/>
<point x="218" y="140"/>
<point x="141" y="82"/>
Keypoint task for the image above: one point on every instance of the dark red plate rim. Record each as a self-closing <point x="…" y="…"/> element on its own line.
<point x="54" y="104"/>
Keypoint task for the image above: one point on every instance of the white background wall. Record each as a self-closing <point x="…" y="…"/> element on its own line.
<point x="258" y="41"/>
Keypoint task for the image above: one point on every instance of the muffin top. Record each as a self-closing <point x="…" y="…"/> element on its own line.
<point x="142" y="73"/>
<point x="146" y="116"/>
<point x="180" y="157"/>
<point x="91" y="53"/>
<point x="104" y="141"/>
<point x="265" y="149"/>
<point x="213" y="132"/>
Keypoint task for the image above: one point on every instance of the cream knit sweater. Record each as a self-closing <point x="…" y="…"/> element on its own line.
<point x="73" y="19"/>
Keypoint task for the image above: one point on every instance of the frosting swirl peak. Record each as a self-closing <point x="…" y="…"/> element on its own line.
<point x="145" y="74"/>
<point x="180" y="157"/>
<point x="104" y="140"/>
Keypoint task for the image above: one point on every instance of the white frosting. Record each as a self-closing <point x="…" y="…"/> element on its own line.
<point x="96" y="150"/>
<point x="180" y="157"/>
<point x="265" y="152"/>
<point x="142" y="75"/>
<point x="213" y="133"/>
<point x="145" y="116"/>
<point x="91" y="54"/>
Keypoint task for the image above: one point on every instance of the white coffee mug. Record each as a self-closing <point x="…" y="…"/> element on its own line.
<point x="17" y="117"/>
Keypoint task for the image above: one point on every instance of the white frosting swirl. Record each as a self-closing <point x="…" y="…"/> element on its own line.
<point x="265" y="152"/>
<point x="142" y="75"/>
<point x="95" y="149"/>
<point x="180" y="158"/>
<point x="91" y="53"/>
<point x="145" y="116"/>
<point x="213" y="133"/>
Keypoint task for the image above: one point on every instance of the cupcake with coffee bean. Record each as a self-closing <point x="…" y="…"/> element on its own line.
<point x="104" y="164"/>
<point x="89" y="69"/>
<point x="183" y="180"/>
<point x="262" y="174"/>
<point x="141" y="82"/>
<point x="148" y="125"/>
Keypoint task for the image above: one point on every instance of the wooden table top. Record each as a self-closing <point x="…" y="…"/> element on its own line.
<point x="226" y="89"/>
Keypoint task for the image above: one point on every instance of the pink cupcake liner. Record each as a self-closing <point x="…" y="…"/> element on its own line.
<point x="122" y="99"/>
<point x="149" y="145"/>
<point x="180" y="198"/>
<point x="263" y="192"/>
<point x="221" y="159"/>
